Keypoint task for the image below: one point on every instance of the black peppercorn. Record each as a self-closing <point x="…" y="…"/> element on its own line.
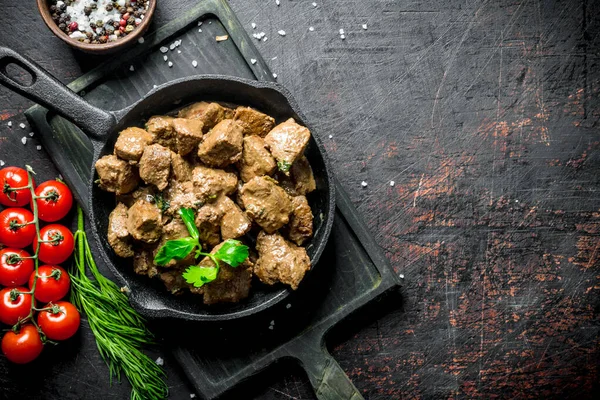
<point x="52" y="8"/>
<point x="89" y="35"/>
<point x="115" y="24"/>
<point x="102" y="39"/>
<point x="63" y="7"/>
<point x="109" y="7"/>
<point x="122" y="10"/>
<point x="87" y="10"/>
<point x="92" y="25"/>
<point x="62" y="26"/>
<point x="131" y="21"/>
<point x="61" y="20"/>
<point x="136" y="14"/>
<point x="130" y="10"/>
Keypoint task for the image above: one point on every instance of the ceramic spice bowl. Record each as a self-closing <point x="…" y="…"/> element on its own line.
<point x="98" y="26"/>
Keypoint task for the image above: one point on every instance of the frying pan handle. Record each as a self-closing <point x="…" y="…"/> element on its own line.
<point x="52" y="94"/>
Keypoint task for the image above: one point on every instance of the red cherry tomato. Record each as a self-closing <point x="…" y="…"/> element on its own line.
<point x="14" y="267"/>
<point x="61" y="322"/>
<point x="24" y="346"/>
<point x="57" y="203"/>
<point x="14" y="305"/>
<point x="13" y="231"/>
<point x="52" y="284"/>
<point x="59" y="246"/>
<point x="14" y="177"/>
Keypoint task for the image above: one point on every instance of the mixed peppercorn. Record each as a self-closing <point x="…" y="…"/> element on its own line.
<point x="98" y="21"/>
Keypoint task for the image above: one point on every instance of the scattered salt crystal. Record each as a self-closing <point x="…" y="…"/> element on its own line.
<point x="164" y="49"/>
<point x="131" y="68"/>
<point x="363" y="184"/>
<point x="274" y="58"/>
<point x="288" y="305"/>
<point x="209" y="22"/>
<point x="38" y="147"/>
<point x="265" y="39"/>
<point x="342" y="37"/>
<point x="392" y="183"/>
<point x="314" y="4"/>
<point x="141" y="40"/>
<point x="9" y="124"/>
<point x="172" y="46"/>
<point x="24" y="140"/>
<point x="330" y="136"/>
<point x="22" y="125"/>
<point x="272" y="322"/>
<point x="194" y="63"/>
<point x="341" y="32"/>
<point x="275" y="76"/>
<point x="401" y="276"/>
<point x="159" y="361"/>
<point x="310" y="28"/>
<point x="170" y="64"/>
<point x="2" y="163"/>
<point x="271" y="327"/>
<point x="253" y="61"/>
<point x="165" y="58"/>
<point x="200" y="30"/>
<point x="31" y="134"/>
<point x="364" y="26"/>
<point x="281" y="32"/>
<point x="192" y="395"/>
<point x="277" y="2"/>
<point x="199" y="23"/>
<point x="253" y="25"/>
<point x="178" y="51"/>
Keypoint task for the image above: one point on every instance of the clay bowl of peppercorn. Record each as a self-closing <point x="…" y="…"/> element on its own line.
<point x="98" y="26"/>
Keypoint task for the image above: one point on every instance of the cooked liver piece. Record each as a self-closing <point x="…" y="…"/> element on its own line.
<point x="116" y="175"/>
<point x="174" y="281"/>
<point x="155" y="166"/>
<point x="143" y="263"/>
<point x="256" y="159"/>
<point x="235" y="222"/>
<point x="161" y="128"/>
<point x="131" y="142"/>
<point x="280" y="260"/>
<point x="118" y="235"/>
<point x="209" y="183"/>
<point x="188" y="134"/>
<point x="266" y="203"/>
<point x="144" y="222"/>
<point x="181" y="169"/>
<point x="254" y="122"/>
<point x="180" y="194"/>
<point x="287" y="142"/>
<point x="231" y="285"/>
<point x="145" y="193"/>
<point x="208" y="221"/>
<point x="209" y="113"/>
<point x="302" y="176"/>
<point x="301" y="221"/>
<point x="222" y="145"/>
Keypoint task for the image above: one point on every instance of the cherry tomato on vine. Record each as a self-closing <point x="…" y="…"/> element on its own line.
<point x="14" y="304"/>
<point x="57" y="202"/>
<point x="52" y="284"/>
<point x="24" y="346"/>
<point x="59" y="246"/>
<point x="61" y="322"/>
<point x="15" y="268"/>
<point x="14" y="177"/>
<point x="16" y="229"/>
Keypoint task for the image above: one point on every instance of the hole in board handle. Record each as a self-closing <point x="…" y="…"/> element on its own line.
<point x="17" y="72"/>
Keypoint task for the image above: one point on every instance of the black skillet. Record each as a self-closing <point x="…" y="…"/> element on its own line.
<point x="102" y="127"/>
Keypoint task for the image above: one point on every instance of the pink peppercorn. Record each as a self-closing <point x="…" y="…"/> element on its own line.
<point x="73" y="26"/>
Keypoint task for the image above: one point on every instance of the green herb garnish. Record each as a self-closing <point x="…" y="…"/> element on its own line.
<point x="162" y="203"/>
<point x="231" y="252"/>
<point x="284" y="166"/>
<point x="119" y="330"/>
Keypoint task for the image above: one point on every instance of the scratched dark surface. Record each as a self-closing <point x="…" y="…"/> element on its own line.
<point x="485" y="115"/>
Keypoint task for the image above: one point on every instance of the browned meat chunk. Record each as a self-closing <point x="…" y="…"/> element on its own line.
<point x="144" y="222"/>
<point x="254" y="122"/>
<point x="145" y="193"/>
<point x="161" y="129"/>
<point x="118" y="235"/>
<point x="180" y="194"/>
<point x="209" y="183"/>
<point x="116" y="175"/>
<point x="175" y="229"/>
<point x="256" y="159"/>
<point x="208" y="222"/>
<point x="235" y="222"/>
<point x="181" y="170"/>
<point x="155" y="165"/>
<point x="231" y="285"/>
<point x="131" y="142"/>
<point x="188" y="134"/>
<point x="143" y="264"/>
<point x="302" y="176"/>
<point x="266" y="203"/>
<point x="301" y="221"/>
<point x="222" y="145"/>
<point x="287" y="142"/>
<point x="174" y="281"/>
<point x="209" y="113"/>
<point x="280" y="260"/>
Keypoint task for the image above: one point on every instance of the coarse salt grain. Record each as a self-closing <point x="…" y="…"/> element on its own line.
<point x="199" y="23"/>
<point x="265" y="39"/>
<point x="363" y="184"/>
<point x="277" y="2"/>
<point x="38" y="147"/>
<point x="342" y="37"/>
<point x="272" y="322"/>
<point x="172" y="46"/>
<point x="178" y="51"/>
<point x="275" y="76"/>
<point x="131" y="68"/>
<point x="200" y="30"/>
<point x="392" y="183"/>
<point x="310" y="28"/>
<point x="2" y="163"/>
<point x="170" y="64"/>
<point x="401" y="276"/>
<point x="165" y="58"/>
<point x="192" y="395"/>
<point x="288" y="305"/>
<point x="314" y="4"/>
<point x="31" y="134"/>
<point x="159" y="361"/>
<point x="271" y="327"/>
<point x="330" y="136"/>
<point x="253" y="25"/>
<point x="281" y="32"/>
<point x="341" y="32"/>
<point x="274" y="58"/>
<point x="24" y="140"/>
<point x="253" y="61"/>
<point x="164" y="49"/>
<point x="141" y="40"/>
<point x="364" y="26"/>
<point x="9" y="124"/>
<point x="22" y="125"/>
<point x="194" y="63"/>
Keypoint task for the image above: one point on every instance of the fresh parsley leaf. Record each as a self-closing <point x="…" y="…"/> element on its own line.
<point x="162" y="203"/>
<point x="198" y="276"/>
<point x="232" y="252"/>
<point x="187" y="215"/>
<point x="284" y="166"/>
<point x="176" y="249"/>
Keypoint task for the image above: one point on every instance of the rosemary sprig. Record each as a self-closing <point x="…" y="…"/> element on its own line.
<point x="119" y="330"/>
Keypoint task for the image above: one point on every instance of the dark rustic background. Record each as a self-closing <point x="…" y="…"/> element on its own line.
<point x="485" y="115"/>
